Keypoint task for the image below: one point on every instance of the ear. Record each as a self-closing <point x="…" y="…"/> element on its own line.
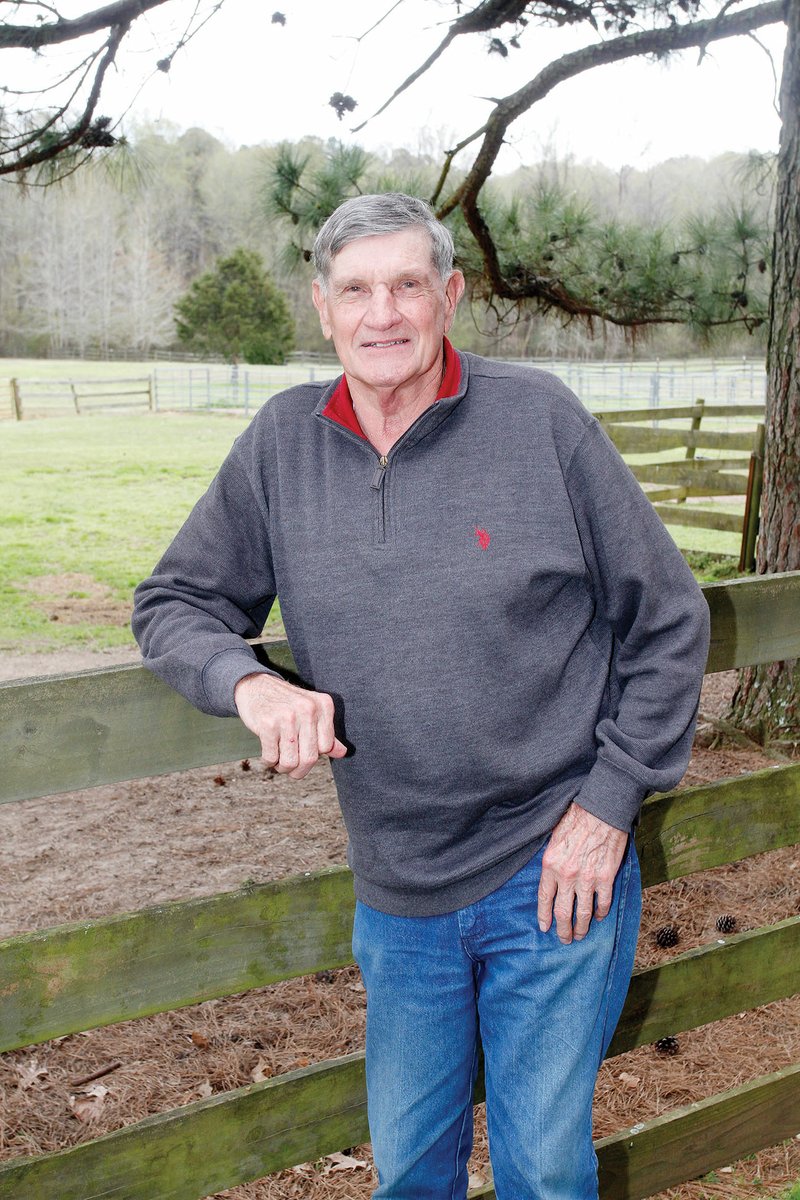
<point x="454" y="290"/>
<point x="321" y="305"/>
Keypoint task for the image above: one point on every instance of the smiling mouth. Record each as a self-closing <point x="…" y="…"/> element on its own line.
<point x="385" y="345"/>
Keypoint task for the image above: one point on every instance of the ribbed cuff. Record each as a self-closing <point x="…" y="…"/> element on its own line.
<point x="612" y="795"/>
<point x="221" y="675"/>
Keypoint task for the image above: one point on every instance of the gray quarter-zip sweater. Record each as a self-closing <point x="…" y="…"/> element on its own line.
<point x="502" y="619"/>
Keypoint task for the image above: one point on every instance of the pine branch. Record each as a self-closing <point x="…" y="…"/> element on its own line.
<point x="650" y="41"/>
<point x="526" y="284"/>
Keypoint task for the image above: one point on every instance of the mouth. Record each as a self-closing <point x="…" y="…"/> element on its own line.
<point x="387" y="345"/>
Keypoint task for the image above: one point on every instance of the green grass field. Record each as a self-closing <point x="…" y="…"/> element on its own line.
<point x="100" y="497"/>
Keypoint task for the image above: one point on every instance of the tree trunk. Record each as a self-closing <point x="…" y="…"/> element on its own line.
<point x="767" y="699"/>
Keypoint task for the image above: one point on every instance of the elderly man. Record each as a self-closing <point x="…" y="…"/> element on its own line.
<point x="502" y="652"/>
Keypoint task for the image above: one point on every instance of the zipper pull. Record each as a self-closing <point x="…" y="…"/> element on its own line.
<point x="377" y="478"/>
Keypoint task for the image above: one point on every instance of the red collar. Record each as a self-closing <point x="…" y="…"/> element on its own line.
<point x="340" y="406"/>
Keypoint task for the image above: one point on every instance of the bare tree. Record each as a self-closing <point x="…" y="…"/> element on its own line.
<point x="60" y="124"/>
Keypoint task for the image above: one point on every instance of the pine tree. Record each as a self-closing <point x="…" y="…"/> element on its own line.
<point x="236" y="311"/>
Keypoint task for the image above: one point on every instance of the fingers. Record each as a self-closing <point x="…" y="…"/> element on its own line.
<point x="578" y="872"/>
<point x="294" y="725"/>
<point x="547" y="894"/>
<point x="572" y="907"/>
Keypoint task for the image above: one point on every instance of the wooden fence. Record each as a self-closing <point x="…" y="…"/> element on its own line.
<point x="736" y="470"/>
<point x="47" y="396"/>
<point x="75" y="731"/>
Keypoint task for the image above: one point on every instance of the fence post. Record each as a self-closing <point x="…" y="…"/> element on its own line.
<point x="16" y="399"/>
<point x="654" y="397"/>
<point x="75" y="400"/>
<point x="695" y="428"/>
<point x="752" y="504"/>
<point x="151" y="404"/>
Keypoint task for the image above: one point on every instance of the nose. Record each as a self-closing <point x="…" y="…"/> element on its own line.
<point x="382" y="310"/>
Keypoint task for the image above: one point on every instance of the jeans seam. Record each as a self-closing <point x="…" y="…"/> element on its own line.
<point x="464" y="1118"/>
<point x="623" y="899"/>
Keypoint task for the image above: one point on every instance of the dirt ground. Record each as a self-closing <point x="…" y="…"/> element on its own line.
<point x="121" y="847"/>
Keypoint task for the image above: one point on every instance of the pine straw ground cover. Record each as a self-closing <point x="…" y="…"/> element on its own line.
<point x="115" y="849"/>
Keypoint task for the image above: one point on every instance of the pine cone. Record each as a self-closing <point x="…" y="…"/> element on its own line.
<point x="727" y="923"/>
<point x="667" y="936"/>
<point x="668" y="1046"/>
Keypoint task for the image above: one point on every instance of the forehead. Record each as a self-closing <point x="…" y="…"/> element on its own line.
<point x="385" y="255"/>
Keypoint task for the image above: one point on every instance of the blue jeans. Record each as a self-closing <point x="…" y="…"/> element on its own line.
<point x="546" y="1014"/>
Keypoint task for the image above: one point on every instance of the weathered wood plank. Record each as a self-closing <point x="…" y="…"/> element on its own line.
<point x="701" y="479"/>
<point x="688" y="1142"/>
<point x="703" y="518"/>
<point x="98" y="972"/>
<point x="693" y="829"/>
<point x="709" y="983"/>
<point x="204" y="1147"/>
<point x="242" y="1135"/>
<point x="630" y="440"/>
<point x="63" y="732"/>
<point x="660" y="494"/>
<point x="625" y="416"/>
<point x="75" y="731"/>
<point x="754" y="624"/>
<point x="678" y="412"/>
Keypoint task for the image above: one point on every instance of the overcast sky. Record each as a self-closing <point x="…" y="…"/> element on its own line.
<point x="248" y="81"/>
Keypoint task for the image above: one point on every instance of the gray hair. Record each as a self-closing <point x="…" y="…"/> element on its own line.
<point x="386" y="212"/>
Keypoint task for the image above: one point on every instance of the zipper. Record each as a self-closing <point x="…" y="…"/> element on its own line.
<point x="378" y="481"/>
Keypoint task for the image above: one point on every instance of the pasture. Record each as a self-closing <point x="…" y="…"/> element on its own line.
<point x="94" y="500"/>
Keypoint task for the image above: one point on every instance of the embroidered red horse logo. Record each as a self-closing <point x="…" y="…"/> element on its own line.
<point x="483" y="538"/>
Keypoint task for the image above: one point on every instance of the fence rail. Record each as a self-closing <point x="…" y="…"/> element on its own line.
<point x="61" y="733"/>
<point x="186" y="385"/>
<point x="668" y="485"/>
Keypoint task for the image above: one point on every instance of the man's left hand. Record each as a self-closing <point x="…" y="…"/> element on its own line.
<point x="579" y="864"/>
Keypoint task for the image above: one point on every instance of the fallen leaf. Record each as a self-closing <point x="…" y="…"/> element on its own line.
<point x="343" y="1162"/>
<point x="30" y="1075"/>
<point x="88" y="1106"/>
<point x="260" y="1071"/>
<point x="726" y="1170"/>
<point x="205" y="1090"/>
<point x="475" y="1180"/>
<point x="631" y="1081"/>
<point x="200" y="1040"/>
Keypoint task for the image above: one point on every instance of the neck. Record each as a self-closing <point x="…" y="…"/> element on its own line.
<point x="386" y="413"/>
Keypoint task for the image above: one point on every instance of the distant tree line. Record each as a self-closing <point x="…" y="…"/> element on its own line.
<point x="99" y="261"/>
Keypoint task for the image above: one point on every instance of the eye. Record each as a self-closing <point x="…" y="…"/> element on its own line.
<point x="409" y="285"/>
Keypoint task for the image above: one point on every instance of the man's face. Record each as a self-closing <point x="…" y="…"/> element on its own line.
<point x="387" y="309"/>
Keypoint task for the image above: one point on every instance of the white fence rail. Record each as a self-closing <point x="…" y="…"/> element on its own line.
<point x="600" y="385"/>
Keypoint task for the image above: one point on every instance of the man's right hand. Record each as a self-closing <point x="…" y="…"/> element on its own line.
<point x="294" y="726"/>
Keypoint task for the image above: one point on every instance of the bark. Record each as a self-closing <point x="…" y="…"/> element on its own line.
<point x="767" y="699"/>
<point x="51" y="33"/>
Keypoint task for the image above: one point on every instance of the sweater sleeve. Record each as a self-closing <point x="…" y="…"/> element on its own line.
<point x="213" y="588"/>
<point x="659" y="622"/>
